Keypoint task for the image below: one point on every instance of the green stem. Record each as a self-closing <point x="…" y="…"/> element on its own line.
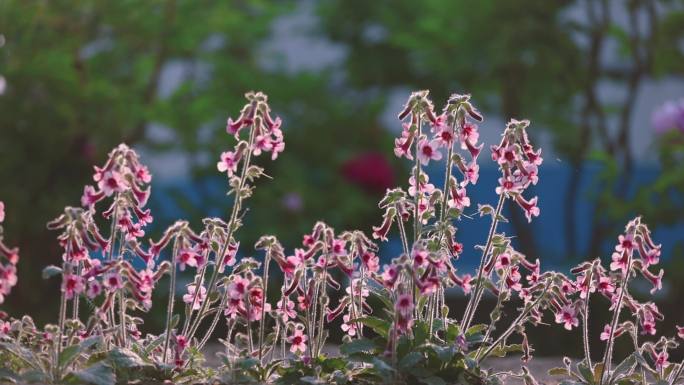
<point x="479" y="285"/>
<point x="231" y="229"/>
<point x="264" y="283"/>
<point x="608" y="354"/>
<point x="417" y="173"/>
<point x="172" y="295"/>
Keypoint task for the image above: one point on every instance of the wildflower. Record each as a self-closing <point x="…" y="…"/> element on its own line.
<point x="680" y="332"/>
<point x="94" y="288"/>
<point x="625" y="243"/>
<point x="229" y="162"/>
<point x="390" y="275"/>
<point x="72" y="285"/>
<point x="5" y="328"/>
<point x="656" y="280"/>
<point x="404" y="305"/>
<point x="187" y="256"/>
<point x="2" y="211"/>
<point x="422" y="187"/>
<point x="660" y="359"/>
<point x="620" y="261"/>
<point x="458" y="198"/>
<point x="111" y="182"/>
<point x="91" y="196"/>
<point x="605" y="285"/>
<point x="112" y="281"/>
<point x="285" y="308"/>
<point x="348" y="327"/>
<point x="298" y="340"/>
<point x="568" y="317"/>
<point x="428" y="150"/>
<point x="190" y="296"/>
<point x="402" y="146"/>
<point x="530" y="207"/>
<point x="370" y="261"/>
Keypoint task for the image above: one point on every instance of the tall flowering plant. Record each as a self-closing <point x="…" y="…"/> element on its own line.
<point x="280" y="306"/>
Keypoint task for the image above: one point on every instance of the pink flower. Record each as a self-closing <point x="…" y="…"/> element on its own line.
<point x="404" y="305"/>
<point x="298" y="340"/>
<point x="402" y="146"/>
<point x="568" y="317"/>
<point x="187" y="256"/>
<point x="348" y="327"/>
<point x="72" y="285"/>
<point x="625" y="243"/>
<point x="661" y="360"/>
<point x="338" y="248"/>
<point x="458" y="198"/>
<point x="190" y="296"/>
<point x="508" y="185"/>
<point x="5" y="328"/>
<point x="468" y="133"/>
<point x="605" y="285"/>
<point x="620" y="261"/>
<point x="680" y="332"/>
<point x="530" y="207"/>
<point x="605" y="334"/>
<point x="229" y="162"/>
<point x="656" y="280"/>
<point x="261" y="143"/>
<point x="111" y="182"/>
<point x="428" y="150"/>
<point x="370" y="261"/>
<point x="94" y="289"/>
<point x="2" y="211"/>
<point x="112" y="281"/>
<point x="90" y="196"/>
<point x="423" y="186"/>
<point x="390" y="275"/>
<point x="648" y="326"/>
<point x="370" y="171"/>
<point x="286" y="309"/>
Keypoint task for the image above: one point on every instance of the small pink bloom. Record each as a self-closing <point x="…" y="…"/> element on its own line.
<point x="94" y="289"/>
<point x="190" y="296"/>
<point x="72" y="285"/>
<point x="370" y="261"/>
<point x="298" y="340"/>
<point x="348" y="327"/>
<point x="568" y="317"/>
<point x="458" y="198"/>
<point x="620" y="261"/>
<point x="530" y="207"/>
<point x="423" y="186"/>
<point x="5" y="328"/>
<point x="229" y="162"/>
<point x="428" y="150"/>
<point x="112" y="281"/>
<point x="285" y="308"/>
<point x="187" y="256"/>
<point x="605" y="334"/>
<point x="404" y="305"/>
<point x="2" y="211"/>
<point x="90" y="196"/>
<point x="111" y="183"/>
<point x="680" y="332"/>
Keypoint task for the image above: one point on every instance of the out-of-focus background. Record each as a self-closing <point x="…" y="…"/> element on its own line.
<point x="601" y="80"/>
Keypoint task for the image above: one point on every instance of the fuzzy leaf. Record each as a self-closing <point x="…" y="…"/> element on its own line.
<point x="99" y="374"/>
<point x="357" y="346"/>
<point x="378" y="325"/>
<point x="70" y="353"/>
<point x="558" y="372"/>
<point x="125" y="358"/>
<point x="432" y="380"/>
<point x="410" y="360"/>
<point x="51" y="271"/>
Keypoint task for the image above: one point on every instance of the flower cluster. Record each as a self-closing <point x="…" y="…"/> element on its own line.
<point x="8" y="270"/>
<point x="278" y="321"/>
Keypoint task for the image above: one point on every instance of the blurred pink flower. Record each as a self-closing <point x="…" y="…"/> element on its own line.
<point x="371" y="171"/>
<point x="669" y="116"/>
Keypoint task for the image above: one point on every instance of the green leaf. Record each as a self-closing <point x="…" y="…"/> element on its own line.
<point x="624" y="368"/>
<point x="357" y="346"/>
<point x="475" y="329"/>
<point x="432" y="380"/>
<point x="70" y="353"/>
<point x="410" y="360"/>
<point x="99" y="374"/>
<point x="125" y="358"/>
<point x="558" y="372"/>
<point x="378" y="325"/>
<point x="51" y="271"/>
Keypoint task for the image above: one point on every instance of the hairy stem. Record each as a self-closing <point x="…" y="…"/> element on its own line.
<point x="237" y="203"/>
<point x="608" y="354"/>
<point x="172" y="295"/>
<point x="264" y="282"/>
<point x="479" y="285"/>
